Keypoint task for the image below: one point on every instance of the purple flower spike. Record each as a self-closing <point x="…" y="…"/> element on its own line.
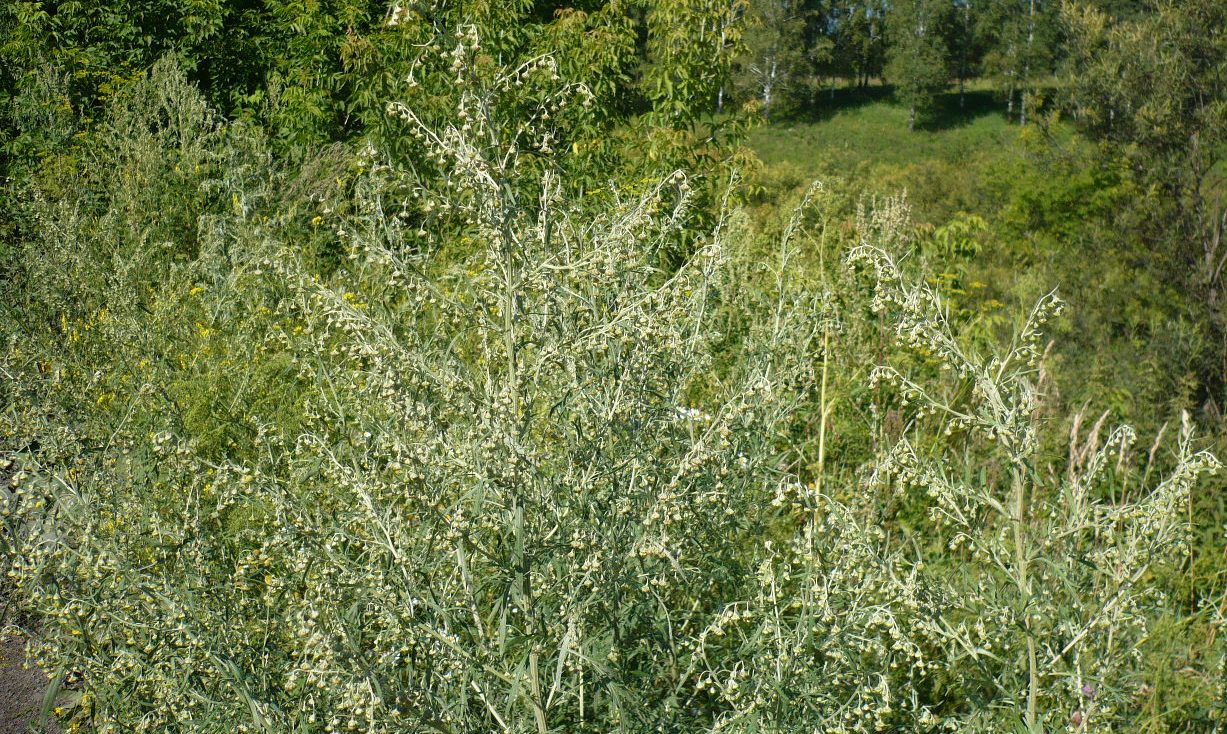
<point x="1088" y="690"/>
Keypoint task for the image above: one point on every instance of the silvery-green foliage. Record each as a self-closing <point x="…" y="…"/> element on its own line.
<point x="838" y="638"/>
<point x="835" y="634"/>
<point x="1053" y="593"/>
<point x="456" y="452"/>
<point x="506" y="494"/>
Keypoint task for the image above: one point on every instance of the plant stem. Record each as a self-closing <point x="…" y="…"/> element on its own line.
<point x="1023" y="581"/>
<point x="823" y="410"/>
<point x="535" y="691"/>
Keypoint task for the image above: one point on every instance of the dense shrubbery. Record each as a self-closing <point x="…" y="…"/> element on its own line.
<point x="342" y="443"/>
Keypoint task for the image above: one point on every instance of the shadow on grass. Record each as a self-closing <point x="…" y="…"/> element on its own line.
<point x="947" y="113"/>
<point x="826" y="104"/>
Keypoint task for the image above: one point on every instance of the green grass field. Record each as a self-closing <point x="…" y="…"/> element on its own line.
<point x="868" y="127"/>
<point x="958" y="159"/>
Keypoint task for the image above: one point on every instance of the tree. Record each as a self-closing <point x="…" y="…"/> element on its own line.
<point x="1024" y="36"/>
<point x="1152" y="86"/>
<point x="774" y="66"/>
<point x="916" y="57"/>
<point x="819" y="41"/>
<point x="965" y="42"/>
<point x="689" y="45"/>
<point x="860" y="40"/>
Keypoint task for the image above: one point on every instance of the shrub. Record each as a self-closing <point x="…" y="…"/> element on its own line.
<point x="412" y="493"/>
<point x="323" y="466"/>
<point x="1055" y="581"/>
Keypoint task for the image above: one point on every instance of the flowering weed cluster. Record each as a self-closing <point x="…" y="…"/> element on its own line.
<point x="487" y="511"/>
<point x="1050" y="601"/>
<point x="467" y="452"/>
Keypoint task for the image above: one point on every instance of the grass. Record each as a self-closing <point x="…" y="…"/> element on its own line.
<point x="953" y="162"/>
<point x="869" y="127"/>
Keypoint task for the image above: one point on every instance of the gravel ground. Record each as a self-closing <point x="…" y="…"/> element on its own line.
<point x="21" y="690"/>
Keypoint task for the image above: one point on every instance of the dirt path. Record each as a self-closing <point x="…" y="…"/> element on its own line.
<point x="21" y="690"/>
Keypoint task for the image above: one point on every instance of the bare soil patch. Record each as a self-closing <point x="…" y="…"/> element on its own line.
<point x="23" y="685"/>
<point x="22" y="690"/>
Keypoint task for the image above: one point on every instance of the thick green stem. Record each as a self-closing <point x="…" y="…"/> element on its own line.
<point x="1023" y="581"/>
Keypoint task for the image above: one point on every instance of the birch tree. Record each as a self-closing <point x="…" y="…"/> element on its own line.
<point x="1024" y="36"/>
<point x="775" y="67"/>
<point x="916" y="60"/>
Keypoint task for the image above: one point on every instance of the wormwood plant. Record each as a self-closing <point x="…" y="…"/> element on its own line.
<point x="1052" y="588"/>
<point x="502" y="494"/>
<point x="457" y="451"/>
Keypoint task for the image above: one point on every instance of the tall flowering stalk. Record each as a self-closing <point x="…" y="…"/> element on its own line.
<point x="1055" y="596"/>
